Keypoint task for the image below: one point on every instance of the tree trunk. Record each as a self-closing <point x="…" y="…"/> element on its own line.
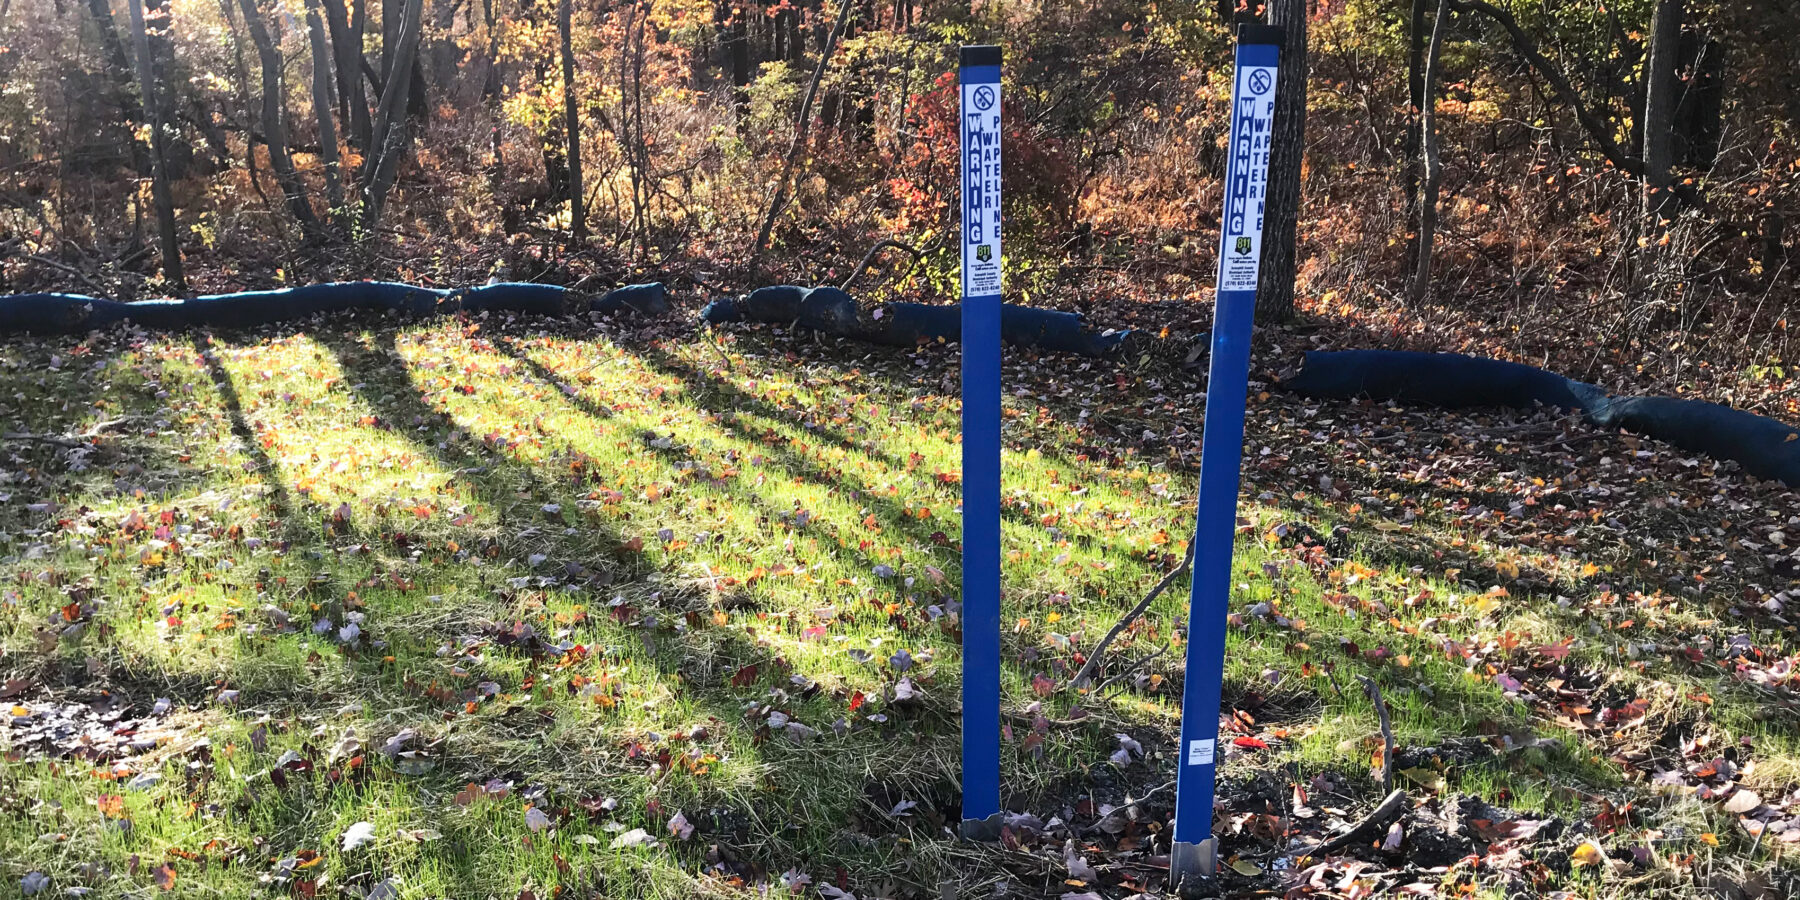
<point x="321" y="92"/>
<point x="274" y="121"/>
<point x="178" y="151"/>
<point x="1774" y="252"/>
<point x="1661" y="95"/>
<point x="418" y="105"/>
<point x="737" y="49"/>
<point x="1698" y="116"/>
<point x="801" y="129"/>
<point x="118" y="66"/>
<point x="571" y="125"/>
<point x="200" y="115"/>
<point x="1415" y="96"/>
<point x="1432" y="164"/>
<point x="388" y="139"/>
<point x="243" y="98"/>
<point x="359" y="26"/>
<point x="393" y="17"/>
<point x="1275" y="288"/>
<point x="159" y="175"/>
<point x="444" y="52"/>
<point x="346" y="42"/>
<point x="392" y="13"/>
<point x="490" y="85"/>
<point x="795" y="45"/>
<point x="1597" y="131"/>
<point x="630" y="127"/>
<point x="490" y="97"/>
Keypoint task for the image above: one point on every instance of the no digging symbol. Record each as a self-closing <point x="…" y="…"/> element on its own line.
<point x="1259" y="84"/>
<point x="984" y="98"/>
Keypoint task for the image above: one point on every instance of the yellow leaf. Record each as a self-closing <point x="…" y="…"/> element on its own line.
<point x="1588" y="854"/>
<point x="1245" y="867"/>
<point x="1710" y="839"/>
<point x="1426" y="778"/>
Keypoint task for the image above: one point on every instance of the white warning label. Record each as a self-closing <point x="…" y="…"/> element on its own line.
<point x="1252" y="113"/>
<point x="1201" y="753"/>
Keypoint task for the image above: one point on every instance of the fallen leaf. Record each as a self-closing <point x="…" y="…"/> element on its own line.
<point x="357" y="835"/>
<point x="1246" y="868"/>
<point x="1587" y="854"/>
<point x="634" y="838"/>
<point x="1425" y="778"/>
<point x="1742" y="802"/>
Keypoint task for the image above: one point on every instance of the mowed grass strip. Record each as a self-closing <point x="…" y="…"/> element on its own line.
<point x="510" y="595"/>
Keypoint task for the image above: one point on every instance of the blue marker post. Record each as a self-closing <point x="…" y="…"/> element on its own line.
<point x="1195" y="850"/>
<point x="979" y="74"/>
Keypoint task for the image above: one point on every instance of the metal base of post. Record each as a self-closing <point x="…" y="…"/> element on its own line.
<point x="986" y="831"/>
<point x="1192" y="865"/>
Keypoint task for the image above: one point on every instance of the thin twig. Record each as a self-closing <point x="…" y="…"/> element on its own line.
<point x="52" y="439"/>
<point x="1131" y="803"/>
<point x="1387" y="731"/>
<point x="1331" y="673"/>
<point x="1047" y="722"/>
<point x="1129" y="670"/>
<point x="83" y="439"/>
<point x="68" y="269"/>
<point x="712" y="340"/>
<point x="1390" y="808"/>
<point x="1099" y="651"/>
<point x="1566" y="440"/>
<point x="869" y="260"/>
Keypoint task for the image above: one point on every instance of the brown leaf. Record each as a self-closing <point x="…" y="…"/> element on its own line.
<point x="1742" y="802"/>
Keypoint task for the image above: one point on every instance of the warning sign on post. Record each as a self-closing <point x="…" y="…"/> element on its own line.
<point x="979" y="74"/>
<point x="1253" y="111"/>
<point x="981" y="181"/>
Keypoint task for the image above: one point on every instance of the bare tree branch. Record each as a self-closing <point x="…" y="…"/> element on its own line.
<point x="388" y="138"/>
<point x="801" y="129"/>
<point x="869" y="259"/>
<point x="1093" y="662"/>
<point x="1387" y="731"/>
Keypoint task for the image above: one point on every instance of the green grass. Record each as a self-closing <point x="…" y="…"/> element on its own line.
<point x="703" y="537"/>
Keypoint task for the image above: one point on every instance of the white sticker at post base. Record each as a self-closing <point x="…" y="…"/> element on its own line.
<point x="981" y="189"/>
<point x="1253" y="111"/>
<point x="1200" y="753"/>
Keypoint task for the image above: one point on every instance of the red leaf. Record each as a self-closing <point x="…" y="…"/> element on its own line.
<point x="1557" y="650"/>
<point x="1250" y="743"/>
